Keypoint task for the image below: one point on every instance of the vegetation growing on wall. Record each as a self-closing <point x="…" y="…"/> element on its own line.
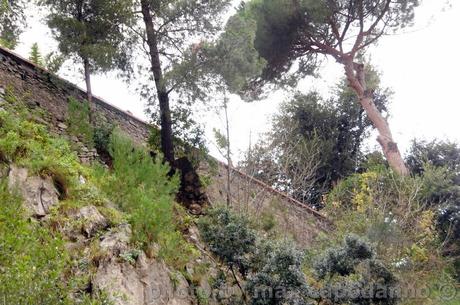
<point x="36" y="267"/>
<point x="78" y="121"/>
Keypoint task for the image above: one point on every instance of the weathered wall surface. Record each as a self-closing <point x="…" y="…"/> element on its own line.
<point x="45" y="90"/>
<point x="49" y="92"/>
<point x="250" y="196"/>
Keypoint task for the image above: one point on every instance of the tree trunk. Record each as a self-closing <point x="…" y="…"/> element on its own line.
<point x="88" y="80"/>
<point x="229" y="160"/>
<point x="356" y="78"/>
<point x="89" y="91"/>
<point x="167" y="145"/>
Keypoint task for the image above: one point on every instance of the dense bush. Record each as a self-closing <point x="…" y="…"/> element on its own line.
<point x="229" y="236"/>
<point x="277" y="273"/>
<point x="343" y="260"/>
<point x="280" y="280"/>
<point x="355" y="276"/>
<point x="101" y="137"/>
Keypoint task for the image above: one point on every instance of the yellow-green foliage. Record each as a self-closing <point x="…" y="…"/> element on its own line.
<point x="31" y="258"/>
<point x="30" y="145"/>
<point x="394" y="213"/>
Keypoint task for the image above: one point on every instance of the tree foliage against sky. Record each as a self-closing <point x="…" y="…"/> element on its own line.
<point x="92" y="33"/>
<point x="12" y="22"/>
<point x="291" y="36"/>
<point x="170" y="35"/>
<point x="314" y="142"/>
<point x="35" y="55"/>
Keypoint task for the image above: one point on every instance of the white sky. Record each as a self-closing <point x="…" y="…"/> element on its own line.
<point x="420" y="65"/>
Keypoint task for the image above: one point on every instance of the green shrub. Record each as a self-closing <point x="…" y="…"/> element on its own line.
<point x="31" y="258"/>
<point x="35" y="265"/>
<point x="229" y="236"/>
<point x="142" y="188"/>
<point x="353" y="275"/>
<point x="268" y="221"/>
<point x="343" y="260"/>
<point x="30" y="145"/>
<point x="201" y="296"/>
<point x="78" y="121"/>
<point x="280" y="280"/>
<point x="101" y="137"/>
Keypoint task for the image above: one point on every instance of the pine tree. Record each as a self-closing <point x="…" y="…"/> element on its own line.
<point x="35" y="56"/>
<point x="167" y="29"/>
<point x="291" y="36"/>
<point x="91" y="33"/>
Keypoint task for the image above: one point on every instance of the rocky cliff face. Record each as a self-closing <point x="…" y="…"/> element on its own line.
<point x="126" y="275"/>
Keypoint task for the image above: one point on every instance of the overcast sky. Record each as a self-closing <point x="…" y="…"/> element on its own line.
<point x="421" y="65"/>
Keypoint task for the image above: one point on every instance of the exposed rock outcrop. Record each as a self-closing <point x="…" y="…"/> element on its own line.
<point x="116" y="240"/>
<point x="92" y="221"/>
<point x="39" y="193"/>
<point x="147" y="282"/>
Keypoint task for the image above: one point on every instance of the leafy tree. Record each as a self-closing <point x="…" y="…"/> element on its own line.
<point x="435" y="153"/>
<point x="35" y="56"/>
<point x="293" y="31"/>
<point x="12" y="21"/>
<point x="92" y="33"/>
<point x="232" y="58"/>
<point x="313" y="143"/>
<point x="53" y="62"/>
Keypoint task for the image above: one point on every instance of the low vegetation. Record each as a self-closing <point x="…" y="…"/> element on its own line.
<point x="32" y="258"/>
<point x="375" y="265"/>
<point x="36" y="267"/>
<point x="143" y="189"/>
